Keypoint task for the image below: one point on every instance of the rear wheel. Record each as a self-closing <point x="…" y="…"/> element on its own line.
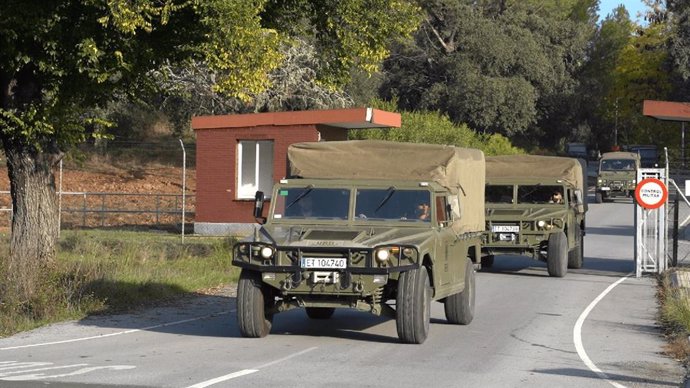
<point x="576" y="256"/>
<point x="413" y="306"/>
<point x="319" y="312"/>
<point x="460" y="307"/>
<point x="557" y="255"/>
<point x="251" y="306"/>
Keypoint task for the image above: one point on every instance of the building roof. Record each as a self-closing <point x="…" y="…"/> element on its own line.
<point x="355" y="118"/>
<point x="666" y="110"/>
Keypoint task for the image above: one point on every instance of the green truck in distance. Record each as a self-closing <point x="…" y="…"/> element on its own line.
<point x="617" y="175"/>
<point x="535" y="205"/>
<point x="376" y="226"/>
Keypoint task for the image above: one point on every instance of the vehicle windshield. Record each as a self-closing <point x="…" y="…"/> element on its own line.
<point x="499" y="193"/>
<point x="540" y="194"/>
<point x="617" y="165"/>
<point x="393" y="204"/>
<point x="311" y="203"/>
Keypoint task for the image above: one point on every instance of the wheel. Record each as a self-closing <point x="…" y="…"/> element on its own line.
<point x="251" y="306"/>
<point x="598" y="198"/>
<point x="460" y="307"/>
<point x="319" y="312"/>
<point x="413" y="306"/>
<point x="575" y="256"/>
<point x="557" y="255"/>
<point x="488" y="261"/>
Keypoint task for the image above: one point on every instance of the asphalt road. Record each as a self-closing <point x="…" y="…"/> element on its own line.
<point x="595" y="328"/>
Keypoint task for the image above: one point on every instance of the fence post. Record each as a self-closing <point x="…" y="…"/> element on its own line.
<point x="676" y="202"/>
<point x="158" y="204"/>
<point x="102" y="210"/>
<point x="83" y="213"/>
<point x="184" y="184"/>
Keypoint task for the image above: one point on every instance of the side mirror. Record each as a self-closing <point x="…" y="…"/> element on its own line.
<point x="259" y="207"/>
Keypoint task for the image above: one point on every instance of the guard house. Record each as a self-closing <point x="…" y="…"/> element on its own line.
<point x="237" y="155"/>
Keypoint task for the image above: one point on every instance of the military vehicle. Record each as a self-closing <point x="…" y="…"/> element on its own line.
<point x="376" y="226"/>
<point x="535" y="205"/>
<point x="617" y="175"/>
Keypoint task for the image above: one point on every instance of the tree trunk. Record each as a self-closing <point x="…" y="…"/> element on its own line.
<point x="34" y="220"/>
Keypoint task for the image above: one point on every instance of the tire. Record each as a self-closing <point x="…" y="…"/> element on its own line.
<point x="488" y="261"/>
<point x="576" y="256"/>
<point x="460" y="307"/>
<point x="251" y="306"/>
<point x="413" y="306"/>
<point x="598" y="198"/>
<point x="557" y="255"/>
<point x="319" y="312"/>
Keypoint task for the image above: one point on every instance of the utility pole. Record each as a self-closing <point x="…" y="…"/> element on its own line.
<point x="615" y="126"/>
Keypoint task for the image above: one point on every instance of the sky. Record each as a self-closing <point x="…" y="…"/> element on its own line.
<point x="633" y="7"/>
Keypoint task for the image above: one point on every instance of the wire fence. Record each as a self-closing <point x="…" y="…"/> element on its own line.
<point x="134" y="184"/>
<point x="115" y="210"/>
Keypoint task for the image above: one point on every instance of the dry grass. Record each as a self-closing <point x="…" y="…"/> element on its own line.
<point x="107" y="271"/>
<point x="675" y="316"/>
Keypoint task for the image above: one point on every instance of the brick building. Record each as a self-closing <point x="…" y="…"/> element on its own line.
<point x="236" y="155"/>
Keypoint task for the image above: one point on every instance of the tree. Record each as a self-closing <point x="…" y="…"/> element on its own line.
<point x="59" y="59"/>
<point x="491" y="64"/>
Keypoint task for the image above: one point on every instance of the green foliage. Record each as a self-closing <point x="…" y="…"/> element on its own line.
<point x="435" y="128"/>
<point x="490" y="64"/>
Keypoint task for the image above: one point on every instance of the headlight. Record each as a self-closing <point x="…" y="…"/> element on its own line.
<point x="541" y="223"/>
<point x="382" y="255"/>
<point x="266" y="252"/>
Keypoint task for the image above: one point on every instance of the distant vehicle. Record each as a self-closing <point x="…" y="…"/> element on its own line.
<point x="649" y="155"/>
<point x="576" y="150"/>
<point x="616" y="175"/>
<point x="535" y="205"/>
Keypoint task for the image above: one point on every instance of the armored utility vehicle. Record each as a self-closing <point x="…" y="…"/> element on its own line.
<point x="381" y="227"/>
<point x="535" y="205"/>
<point x="617" y="175"/>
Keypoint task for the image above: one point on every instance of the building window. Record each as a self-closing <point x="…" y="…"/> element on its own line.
<point x="254" y="168"/>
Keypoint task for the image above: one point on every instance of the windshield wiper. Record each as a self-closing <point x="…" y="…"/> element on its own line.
<point x="391" y="191"/>
<point x="304" y="194"/>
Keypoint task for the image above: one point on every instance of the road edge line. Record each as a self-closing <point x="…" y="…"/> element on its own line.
<point x="577" y="334"/>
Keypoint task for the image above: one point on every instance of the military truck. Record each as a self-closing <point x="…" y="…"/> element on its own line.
<point x="381" y="227"/>
<point x="617" y="175"/>
<point x="535" y="205"/>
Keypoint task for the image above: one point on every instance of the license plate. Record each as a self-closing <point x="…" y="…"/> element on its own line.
<point x="323" y="262"/>
<point x="505" y="228"/>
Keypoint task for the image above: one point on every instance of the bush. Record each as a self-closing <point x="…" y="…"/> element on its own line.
<point x="435" y="128"/>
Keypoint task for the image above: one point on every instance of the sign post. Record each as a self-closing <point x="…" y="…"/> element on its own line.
<point x="651" y="194"/>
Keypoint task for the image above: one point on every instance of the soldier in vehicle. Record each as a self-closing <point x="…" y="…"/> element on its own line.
<point x="557" y="197"/>
<point x="423" y="212"/>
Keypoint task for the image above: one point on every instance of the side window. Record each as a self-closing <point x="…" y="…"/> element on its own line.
<point x="254" y="167"/>
<point x="441" y="210"/>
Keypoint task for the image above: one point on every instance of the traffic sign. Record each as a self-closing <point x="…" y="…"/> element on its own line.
<point x="651" y="193"/>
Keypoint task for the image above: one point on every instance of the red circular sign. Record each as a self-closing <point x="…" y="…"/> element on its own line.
<point x="651" y="193"/>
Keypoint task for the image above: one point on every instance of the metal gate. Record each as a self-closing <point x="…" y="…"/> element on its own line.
<point x="650" y="230"/>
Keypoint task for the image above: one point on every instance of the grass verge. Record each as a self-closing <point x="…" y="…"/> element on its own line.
<point x="110" y="271"/>
<point x="675" y="317"/>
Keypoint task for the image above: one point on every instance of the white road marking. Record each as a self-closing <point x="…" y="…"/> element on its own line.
<point x="245" y="372"/>
<point x="15" y="365"/>
<point x="223" y="378"/>
<point x="118" y="333"/>
<point x="75" y="373"/>
<point x="577" y="335"/>
<point x="5" y="374"/>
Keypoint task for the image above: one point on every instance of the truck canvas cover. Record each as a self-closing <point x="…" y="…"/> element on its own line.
<point x="536" y="166"/>
<point x="621" y="155"/>
<point x="460" y="170"/>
